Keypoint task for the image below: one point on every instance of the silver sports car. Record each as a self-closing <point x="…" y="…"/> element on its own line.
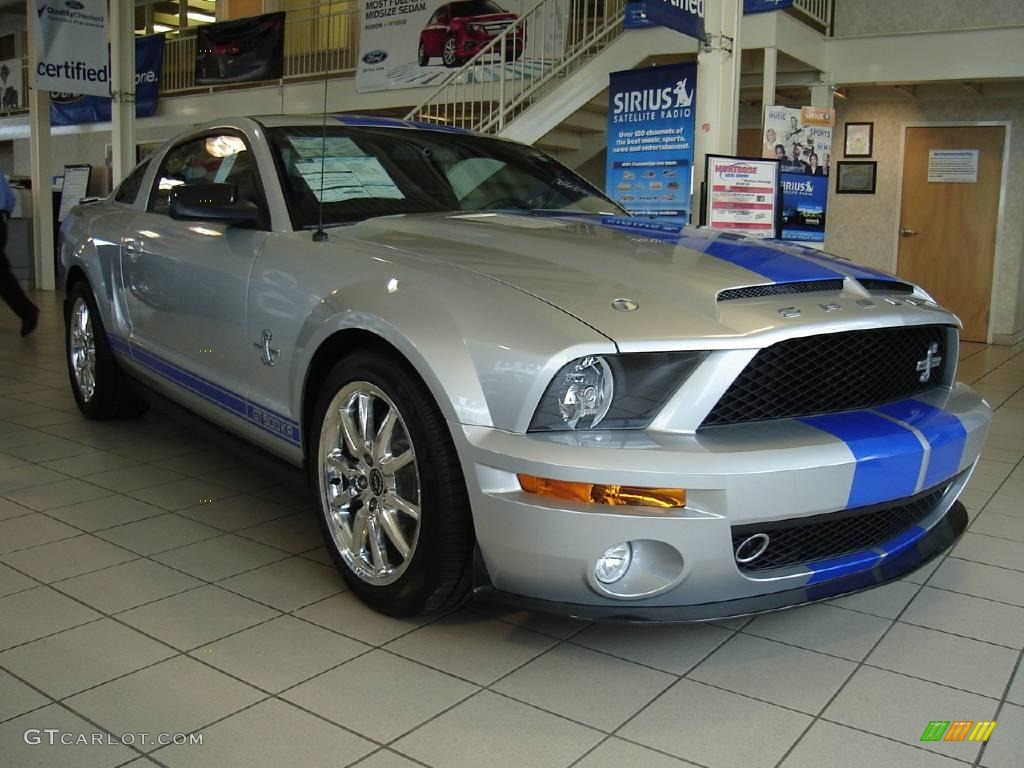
<point x="500" y="382"/>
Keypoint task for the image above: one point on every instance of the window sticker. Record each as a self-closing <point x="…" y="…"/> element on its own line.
<point x="315" y="146"/>
<point x="336" y="179"/>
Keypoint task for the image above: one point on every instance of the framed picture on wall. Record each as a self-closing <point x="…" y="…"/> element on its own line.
<point x="856" y="177"/>
<point x="859" y="138"/>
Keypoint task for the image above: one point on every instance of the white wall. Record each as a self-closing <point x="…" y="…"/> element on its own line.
<point x="882" y="17"/>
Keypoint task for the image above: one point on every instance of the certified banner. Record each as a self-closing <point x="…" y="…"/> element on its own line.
<point x="651" y="115"/>
<point x="637" y="14"/>
<point x="241" y="51"/>
<point x="417" y="43"/>
<point x="741" y="195"/>
<point x="75" y="108"/>
<point x="801" y="140"/>
<point x="71" y="46"/>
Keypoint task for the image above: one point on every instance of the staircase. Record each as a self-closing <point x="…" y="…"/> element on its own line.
<point x="529" y="60"/>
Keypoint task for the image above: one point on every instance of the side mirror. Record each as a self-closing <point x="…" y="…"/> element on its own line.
<point x="211" y="202"/>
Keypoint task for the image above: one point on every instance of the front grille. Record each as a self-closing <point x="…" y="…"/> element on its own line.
<point x="779" y="289"/>
<point x="832" y="372"/>
<point x="793" y="542"/>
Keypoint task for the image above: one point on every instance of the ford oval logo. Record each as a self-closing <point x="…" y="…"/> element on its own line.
<point x="74" y="4"/>
<point x="374" y="57"/>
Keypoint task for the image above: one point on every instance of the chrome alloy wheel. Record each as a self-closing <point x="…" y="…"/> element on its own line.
<point x="82" y="349"/>
<point x="369" y="483"/>
<point x="449" y="54"/>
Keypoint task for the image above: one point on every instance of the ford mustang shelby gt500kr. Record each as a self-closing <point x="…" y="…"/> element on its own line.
<point x="501" y="382"/>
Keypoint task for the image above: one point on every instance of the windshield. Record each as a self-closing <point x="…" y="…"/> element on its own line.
<point x="475" y="8"/>
<point x="357" y="173"/>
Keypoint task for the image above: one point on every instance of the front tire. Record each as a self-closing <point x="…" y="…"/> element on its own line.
<point x="450" y="54"/>
<point x="393" y="505"/>
<point x="97" y="383"/>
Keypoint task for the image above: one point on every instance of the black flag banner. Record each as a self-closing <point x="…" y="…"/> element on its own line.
<point x="240" y="51"/>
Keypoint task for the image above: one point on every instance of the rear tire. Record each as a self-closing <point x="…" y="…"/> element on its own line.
<point x="394" y="511"/>
<point x="424" y="60"/>
<point x="100" y="388"/>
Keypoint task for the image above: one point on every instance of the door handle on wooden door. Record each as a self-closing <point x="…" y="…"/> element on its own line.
<point x="907" y="232"/>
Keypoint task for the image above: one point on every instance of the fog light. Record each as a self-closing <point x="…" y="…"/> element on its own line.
<point x="613" y="564"/>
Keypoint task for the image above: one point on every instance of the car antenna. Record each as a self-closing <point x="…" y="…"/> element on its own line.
<point x="320" y="235"/>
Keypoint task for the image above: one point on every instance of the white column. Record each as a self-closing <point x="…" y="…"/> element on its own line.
<point x="771" y="71"/>
<point x="122" y="87"/>
<point x="42" y="172"/>
<point x="718" y="86"/>
<point x="823" y="94"/>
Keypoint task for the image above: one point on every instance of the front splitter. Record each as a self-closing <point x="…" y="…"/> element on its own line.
<point x="938" y="539"/>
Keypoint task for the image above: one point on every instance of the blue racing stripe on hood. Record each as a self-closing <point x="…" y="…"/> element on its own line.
<point x="769" y="260"/>
<point x="943" y="431"/>
<point x="888" y="455"/>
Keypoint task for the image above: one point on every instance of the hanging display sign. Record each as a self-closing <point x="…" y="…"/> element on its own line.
<point x="71" y="46"/>
<point x="801" y="140"/>
<point x="417" y="43"/>
<point x="651" y="118"/>
<point x="956" y="166"/>
<point x="241" y="51"/>
<point x="763" y="6"/>
<point x="11" y="84"/>
<point x="742" y="195"/>
<point x="76" y="108"/>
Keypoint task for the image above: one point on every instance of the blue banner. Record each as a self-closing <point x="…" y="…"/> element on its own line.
<point x="639" y="16"/>
<point x="74" y="109"/>
<point x="651" y="119"/>
<point x="763" y="6"/>
<point x="804" y="200"/>
<point x="686" y="16"/>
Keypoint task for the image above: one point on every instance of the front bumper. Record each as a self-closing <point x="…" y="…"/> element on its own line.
<point x="542" y="551"/>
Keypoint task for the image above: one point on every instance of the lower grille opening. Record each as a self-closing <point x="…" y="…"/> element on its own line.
<point x="804" y="540"/>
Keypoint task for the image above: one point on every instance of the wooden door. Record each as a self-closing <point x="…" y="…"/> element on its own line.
<point x="948" y="229"/>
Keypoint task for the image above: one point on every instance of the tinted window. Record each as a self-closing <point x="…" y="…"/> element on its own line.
<point x="361" y="172"/>
<point x="129" y="189"/>
<point x="216" y="158"/>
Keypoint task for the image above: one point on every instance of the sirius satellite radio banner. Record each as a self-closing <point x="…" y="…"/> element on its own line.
<point x="71" y="46"/>
<point x="241" y="51"/>
<point x="75" y="108"/>
<point x="417" y="43"/>
<point x="801" y="140"/>
<point x="651" y="118"/>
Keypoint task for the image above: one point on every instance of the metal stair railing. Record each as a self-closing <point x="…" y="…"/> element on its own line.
<point x="500" y="82"/>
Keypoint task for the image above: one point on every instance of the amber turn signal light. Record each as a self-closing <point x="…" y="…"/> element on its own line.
<point x="613" y="495"/>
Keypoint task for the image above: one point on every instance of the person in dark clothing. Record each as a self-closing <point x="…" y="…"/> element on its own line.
<point x="10" y="290"/>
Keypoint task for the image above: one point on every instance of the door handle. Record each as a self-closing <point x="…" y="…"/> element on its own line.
<point x="907" y="232"/>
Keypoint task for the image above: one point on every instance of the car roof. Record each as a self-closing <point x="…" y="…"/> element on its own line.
<point x="361" y="121"/>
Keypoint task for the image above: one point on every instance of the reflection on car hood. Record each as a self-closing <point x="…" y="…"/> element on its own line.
<point x="581" y="264"/>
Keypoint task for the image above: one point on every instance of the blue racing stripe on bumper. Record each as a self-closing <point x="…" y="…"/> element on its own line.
<point x="888" y="455"/>
<point x="844" y="565"/>
<point x="943" y="431"/>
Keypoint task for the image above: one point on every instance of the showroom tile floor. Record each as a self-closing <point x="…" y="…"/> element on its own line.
<point x="156" y="577"/>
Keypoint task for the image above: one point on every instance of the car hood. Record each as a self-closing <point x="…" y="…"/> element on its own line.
<point x="582" y="264"/>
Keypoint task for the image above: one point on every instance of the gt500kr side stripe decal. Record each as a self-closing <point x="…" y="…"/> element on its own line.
<point x="273" y="423"/>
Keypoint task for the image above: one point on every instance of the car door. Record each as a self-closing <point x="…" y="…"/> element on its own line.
<point x="186" y="281"/>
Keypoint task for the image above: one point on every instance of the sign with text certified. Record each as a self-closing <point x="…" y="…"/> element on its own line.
<point x="71" y="45"/>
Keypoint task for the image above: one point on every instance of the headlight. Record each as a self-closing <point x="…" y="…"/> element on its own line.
<point x="612" y="391"/>
<point x="475" y="29"/>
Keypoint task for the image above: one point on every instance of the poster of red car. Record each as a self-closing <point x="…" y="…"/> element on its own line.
<point x="416" y="44"/>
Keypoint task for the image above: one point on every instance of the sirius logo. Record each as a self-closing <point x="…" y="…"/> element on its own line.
<point x="798" y="187"/>
<point x="654" y="99"/>
<point x="375" y="57"/>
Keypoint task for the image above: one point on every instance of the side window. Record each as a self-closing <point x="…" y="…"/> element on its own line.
<point x="129" y="189"/>
<point x="223" y="159"/>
